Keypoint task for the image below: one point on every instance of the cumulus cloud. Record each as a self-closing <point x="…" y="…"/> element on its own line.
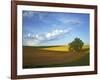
<point x="47" y="36"/>
<point x="56" y="33"/>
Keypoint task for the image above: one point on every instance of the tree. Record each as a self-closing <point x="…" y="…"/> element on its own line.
<point x="76" y="45"/>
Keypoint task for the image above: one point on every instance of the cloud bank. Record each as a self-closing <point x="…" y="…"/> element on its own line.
<point x="47" y="36"/>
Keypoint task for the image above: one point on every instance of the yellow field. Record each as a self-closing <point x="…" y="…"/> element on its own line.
<point x="61" y="48"/>
<point x="85" y="46"/>
<point x="57" y="48"/>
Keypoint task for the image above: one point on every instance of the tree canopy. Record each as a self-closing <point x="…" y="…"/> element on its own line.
<point x="76" y="45"/>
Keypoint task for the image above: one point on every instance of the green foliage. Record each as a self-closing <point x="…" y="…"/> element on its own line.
<point x="76" y="45"/>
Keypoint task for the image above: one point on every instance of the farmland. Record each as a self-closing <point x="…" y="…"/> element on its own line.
<point x="54" y="56"/>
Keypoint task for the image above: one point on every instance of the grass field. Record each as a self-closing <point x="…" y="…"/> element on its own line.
<point x="54" y="56"/>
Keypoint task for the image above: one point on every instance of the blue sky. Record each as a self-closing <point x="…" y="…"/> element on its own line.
<point x="54" y="28"/>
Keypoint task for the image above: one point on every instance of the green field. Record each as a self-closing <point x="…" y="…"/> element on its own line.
<point x="54" y="56"/>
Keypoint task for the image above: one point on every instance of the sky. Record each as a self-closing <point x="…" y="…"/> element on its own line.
<point x="54" y="28"/>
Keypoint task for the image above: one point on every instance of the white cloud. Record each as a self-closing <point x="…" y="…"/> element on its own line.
<point x="36" y="39"/>
<point x="28" y="13"/>
<point x="29" y="35"/>
<point x="32" y="14"/>
<point x="70" y="21"/>
<point x="46" y="36"/>
<point x="54" y="33"/>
